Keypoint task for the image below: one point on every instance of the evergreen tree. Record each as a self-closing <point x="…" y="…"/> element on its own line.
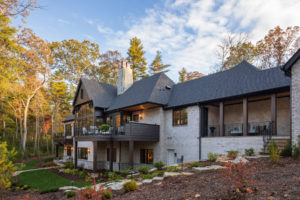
<point x="157" y="65"/>
<point x="137" y="59"/>
<point x="182" y="75"/>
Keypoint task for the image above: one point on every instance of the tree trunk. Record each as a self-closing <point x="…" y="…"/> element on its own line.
<point x="25" y="126"/>
<point x="52" y="133"/>
<point x="37" y="129"/>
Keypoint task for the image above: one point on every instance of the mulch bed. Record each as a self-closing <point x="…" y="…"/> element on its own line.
<point x="272" y="181"/>
<point x="17" y="195"/>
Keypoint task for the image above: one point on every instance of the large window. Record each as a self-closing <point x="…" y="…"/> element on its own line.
<point x="114" y="154"/>
<point x="83" y="153"/>
<point x="84" y="119"/>
<point x="180" y="117"/>
<point x="147" y="156"/>
<point x="68" y="130"/>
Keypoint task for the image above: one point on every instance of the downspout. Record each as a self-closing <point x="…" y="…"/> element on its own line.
<point x="200" y="128"/>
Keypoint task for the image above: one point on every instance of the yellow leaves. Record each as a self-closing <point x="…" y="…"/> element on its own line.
<point x="6" y="165"/>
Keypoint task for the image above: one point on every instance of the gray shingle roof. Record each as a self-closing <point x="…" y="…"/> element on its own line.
<point x="102" y="94"/>
<point x="242" y="79"/>
<point x="147" y="90"/>
<point x="70" y="118"/>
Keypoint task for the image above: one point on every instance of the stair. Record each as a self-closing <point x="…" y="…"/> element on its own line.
<point x="281" y="143"/>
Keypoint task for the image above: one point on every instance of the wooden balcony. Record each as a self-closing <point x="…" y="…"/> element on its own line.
<point x="61" y="139"/>
<point x="132" y="131"/>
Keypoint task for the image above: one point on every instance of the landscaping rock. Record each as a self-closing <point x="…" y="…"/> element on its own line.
<point x="147" y="181"/>
<point x="69" y="188"/>
<point x="153" y="170"/>
<point x="212" y="167"/>
<point x="187" y="173"/>
<point x="94" y="175"/>
<point x="238" y="159"/>
<point x="167" y="174"/>
<point x="158" y="178"/>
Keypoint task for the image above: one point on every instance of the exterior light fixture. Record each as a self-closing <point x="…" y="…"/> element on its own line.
<point x="89" y="150"/>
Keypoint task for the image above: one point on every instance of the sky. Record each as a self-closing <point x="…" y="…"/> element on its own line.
<point x="187" y="32"/>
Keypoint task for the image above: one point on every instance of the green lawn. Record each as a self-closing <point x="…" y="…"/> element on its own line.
<point x="45" y="180"/>
<point x="32" y="164"/>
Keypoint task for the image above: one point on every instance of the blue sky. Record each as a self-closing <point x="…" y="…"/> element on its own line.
<point x="187" y="32"/>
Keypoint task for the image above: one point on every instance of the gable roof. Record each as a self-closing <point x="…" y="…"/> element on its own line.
<point x="151" y="89"/>
<point x="102" y="94"/>
<point x="70" y="118"/>
<point x="288" y="65"/>
<point x="242" y="79"/>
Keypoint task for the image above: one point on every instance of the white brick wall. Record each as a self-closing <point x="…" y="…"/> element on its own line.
<point x="295" y="101"/>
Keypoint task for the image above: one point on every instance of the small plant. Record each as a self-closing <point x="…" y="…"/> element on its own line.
<point x="91" y="192"/>
<point x="239" y="175"/>
<point x="70" y="194"/>
<point x="288" y="150"/>
<point x="104" y="128"/>
<point x="143" y="170"/>
<point x="212" y="157"/>
<point x="68" y="171"/>
<point x="273" y="150"/>
<point x="159" y="165"/>
<point x="82" y="174"/>
<point x="75" y="172"/>
<point x="232" y="154"/>
<point x="69" y="165"/>
<point x="130" y="186"/>
<point x="195" y="165"/>
<point x="125" y="173"/>
<point x="249" y="152"/>
<point x="106" y="194"/>
<point x="147" y="176"/>
<point x="173" y="169"/>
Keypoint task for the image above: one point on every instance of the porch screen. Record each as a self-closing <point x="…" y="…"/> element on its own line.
<point x="147" y="156"/>
<point x="114" y="154"/>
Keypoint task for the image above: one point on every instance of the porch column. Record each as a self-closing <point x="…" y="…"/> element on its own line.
<point x="75" y="144"/>
<point x="95" y="150"/>
<point x="131" y="150"/>
<point x="274" y="114"/>
<point x="245" y="116"/>
<point x="56" y="150"/>
<point x="221" y="108"/>
<point x="111" y="156"/>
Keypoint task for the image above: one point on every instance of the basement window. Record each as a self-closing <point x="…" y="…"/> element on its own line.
<point x="83" y="153"/>
<point x="180" y="117"/>
<point x="147" y="156"/>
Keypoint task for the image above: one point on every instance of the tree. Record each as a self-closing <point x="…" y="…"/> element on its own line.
<point x="182" y="75"/>
<point x="193" y="75"/>
<point x="278" y="45"/>
<point x="136" y="58"/>
<point x="37" y="56"/>
<point x="109" y="67"/>
<point x="75" y="59"/>
<point x="233" y="49"/>
<point x="6" y="165"/>
<point x="157" y="65"/>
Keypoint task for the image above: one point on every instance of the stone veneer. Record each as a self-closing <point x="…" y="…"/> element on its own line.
<point x="295" y="101"/>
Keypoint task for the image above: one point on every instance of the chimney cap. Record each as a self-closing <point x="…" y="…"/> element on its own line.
<point x="124" y="63"/>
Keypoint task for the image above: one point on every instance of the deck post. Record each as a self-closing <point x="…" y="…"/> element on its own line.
<point x="221" y="108"/>
<point x="131" y="151"/>
<point x="75" y="153"/>
<point x="111" y="156"/>
<point x="245" y="116"/>
<point x="95" y="150"/>
<point x="274" y="114"/>
<point x="56" y="151"/>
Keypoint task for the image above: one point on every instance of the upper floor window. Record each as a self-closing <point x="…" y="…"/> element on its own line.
<point x="180" y="117"/>
<point x="81" y="93"/>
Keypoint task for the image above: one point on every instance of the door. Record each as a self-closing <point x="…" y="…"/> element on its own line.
<point x="171" y="157"/>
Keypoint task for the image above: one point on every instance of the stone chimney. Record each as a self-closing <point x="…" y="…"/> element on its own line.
<point x="125" y="77"/>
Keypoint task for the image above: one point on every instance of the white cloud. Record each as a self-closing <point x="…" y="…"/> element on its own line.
<point x="62" y="21"/>
<point x="188" y="31"/>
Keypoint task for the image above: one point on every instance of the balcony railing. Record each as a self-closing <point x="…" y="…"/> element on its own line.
<point x="132" y="130"/>
<point x="236" y="129"/>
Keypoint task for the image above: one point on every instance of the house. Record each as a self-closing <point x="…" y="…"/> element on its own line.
<point x="155" y="119"/>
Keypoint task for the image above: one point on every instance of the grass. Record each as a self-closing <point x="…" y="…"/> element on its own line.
<point x="32" y="164"/>
<point x="45" y="180"/>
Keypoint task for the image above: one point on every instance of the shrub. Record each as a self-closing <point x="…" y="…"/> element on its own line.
<point x="125" y="173"/>
<point x="75" y="172"/>
<point x="106" y="194"/>
<point x="196" y="165"/>
<point x="143" y="170"/>
<point x="239" y="175"/>
<point x="147" y="176"/>
<point x="212" y="157"/>
<point x="70" y="194"/>
<point x="273" y="150"/>
<point x="173" y="169"/>
<point x="104" y="127"/>
<point x="68" y="171"/>
<point x="249" y="152"/>
<point x="159" y="165"/>
<point x="82" y="174"/>
<point x="130" y="186"/>
<point x="48" y="164"/>
<point x="288" y="149"/>
<point x="69" y="164"/>
<point x="232" y="154"/>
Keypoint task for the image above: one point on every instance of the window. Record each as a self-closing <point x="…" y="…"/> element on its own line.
<point x="81" y="94"/>
<point x="68" y="130"/>
<point x="114" y="154"/>
<point x="180" y="117"/>
<point x="69" y="151"/>
<point x="118" y="121"/>
<point x="84" y="119"/>
<point x="147" y="156"/>
<point x="83" y="153"/>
